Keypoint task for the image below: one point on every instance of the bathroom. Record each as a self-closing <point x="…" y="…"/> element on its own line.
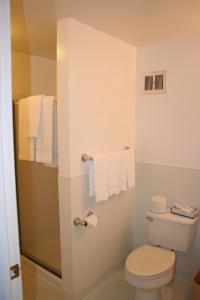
<point x="95" y="69"/>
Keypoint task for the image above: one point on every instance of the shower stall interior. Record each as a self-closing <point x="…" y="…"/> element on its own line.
<point x="38" y="209"/>
<point x="35" y="73"/>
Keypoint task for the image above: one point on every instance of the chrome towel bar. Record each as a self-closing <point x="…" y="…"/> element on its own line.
<point x="85" y="157"/>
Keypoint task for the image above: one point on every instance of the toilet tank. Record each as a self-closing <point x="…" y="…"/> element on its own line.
<point x="171" y="231"/>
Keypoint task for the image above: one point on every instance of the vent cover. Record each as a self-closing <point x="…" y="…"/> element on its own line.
<point x="154" y="82"/>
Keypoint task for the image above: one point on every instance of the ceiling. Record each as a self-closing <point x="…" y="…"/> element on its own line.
<point x="137" y="22"/>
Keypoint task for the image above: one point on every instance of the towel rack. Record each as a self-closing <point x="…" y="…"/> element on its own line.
<point x="85" y="157"/>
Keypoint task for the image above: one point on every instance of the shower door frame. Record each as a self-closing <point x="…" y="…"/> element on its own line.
<point x="10" y="255"/>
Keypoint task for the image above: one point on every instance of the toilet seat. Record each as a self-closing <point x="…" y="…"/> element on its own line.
<point x="150" y="267"/>
<point x="150" y="262"/>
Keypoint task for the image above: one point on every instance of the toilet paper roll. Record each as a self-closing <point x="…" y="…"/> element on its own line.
<point x="92" y="220"/>
<point x="159" y="204"/>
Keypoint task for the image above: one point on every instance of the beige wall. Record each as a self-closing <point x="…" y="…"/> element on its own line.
<point x="96" y="115"/>
<point x="32" y="75"/>
<point x="21" y="75"/>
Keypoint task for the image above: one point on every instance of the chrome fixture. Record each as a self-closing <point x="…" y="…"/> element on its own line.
<point x="85" y="157"/>
<point x="77" y="221"/>
<point x="149" y="219"/>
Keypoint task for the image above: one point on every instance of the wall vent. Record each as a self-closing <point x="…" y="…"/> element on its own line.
<point x="154" y="82"/>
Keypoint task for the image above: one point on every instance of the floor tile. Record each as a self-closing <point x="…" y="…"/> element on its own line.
<point x="116" y="288"/>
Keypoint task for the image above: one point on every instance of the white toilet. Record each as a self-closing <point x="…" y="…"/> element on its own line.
<point x="151" y="267"/>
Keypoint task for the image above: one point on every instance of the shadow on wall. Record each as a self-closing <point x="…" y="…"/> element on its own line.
<point x="21" y="65"/>
<point x="21" y="75"/>
<point x="19" y="30"/>
<point x="178" y="185"/>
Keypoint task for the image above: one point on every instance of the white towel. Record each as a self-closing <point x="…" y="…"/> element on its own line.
<point x="113" y="180"/>
<point x="26" y="144"/>
<point x="44" y="140"/>
<point x="54" y="163"/>
<point x="111" y="174"/>
<point x="101" y="178"/>
<point x="35" y="105"/>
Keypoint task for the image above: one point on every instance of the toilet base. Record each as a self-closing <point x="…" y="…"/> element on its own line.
<point x="165" y="293"/>
<point x="147" y="294"/>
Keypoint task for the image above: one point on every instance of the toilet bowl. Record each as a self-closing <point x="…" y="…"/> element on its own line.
<point x="148" y="269"/>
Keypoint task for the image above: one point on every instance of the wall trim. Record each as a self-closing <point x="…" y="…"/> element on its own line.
<point x="167" y="165"/>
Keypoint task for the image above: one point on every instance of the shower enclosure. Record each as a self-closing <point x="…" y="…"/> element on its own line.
<point x="38" y="208"/>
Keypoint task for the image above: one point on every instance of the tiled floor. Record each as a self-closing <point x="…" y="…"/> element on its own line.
<point x="115" y="288"/>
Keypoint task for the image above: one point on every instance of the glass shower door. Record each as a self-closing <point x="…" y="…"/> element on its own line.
<point x="38" y="208"/>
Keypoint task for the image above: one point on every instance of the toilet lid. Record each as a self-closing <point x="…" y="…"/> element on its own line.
<point x="149" y="261"/>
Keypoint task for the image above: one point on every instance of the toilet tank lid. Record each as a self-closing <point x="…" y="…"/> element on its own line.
<point x="170" y="217"/>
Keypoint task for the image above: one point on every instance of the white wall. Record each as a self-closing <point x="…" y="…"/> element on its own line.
<point x="168" y="124"/>
<point x="100" y="90"/>
<point x="96" y="75"/>
<point x="167" y="137"/>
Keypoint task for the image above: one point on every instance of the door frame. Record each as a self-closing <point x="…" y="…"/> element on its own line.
<point x="9" y="235"/>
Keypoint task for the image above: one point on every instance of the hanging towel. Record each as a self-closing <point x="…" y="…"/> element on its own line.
<point x="111" y="174"/>
<point x="35" y="105"/>
<point x="44" y="140"/>
<point x="113" y="180"/>
<point x="26" y="143"/>
<point x="101" y="178"/>
<point x="54" y="163"/>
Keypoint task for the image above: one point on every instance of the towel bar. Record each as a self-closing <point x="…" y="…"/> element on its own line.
<point x="85" y="157"/>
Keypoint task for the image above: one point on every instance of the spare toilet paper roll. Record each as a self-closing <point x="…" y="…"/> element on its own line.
<point x="159" y="204"/>
<point x="92" y="220"/>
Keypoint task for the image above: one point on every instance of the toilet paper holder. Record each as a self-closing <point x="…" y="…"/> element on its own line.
<point x="78" y="221"/>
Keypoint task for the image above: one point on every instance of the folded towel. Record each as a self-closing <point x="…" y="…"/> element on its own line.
<point x="44" y="140"/>
<point x="111" y="174"/>
<point x="26" y="143"/>
<point x="54" y="163"/>
<point x="34" y="114"/>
